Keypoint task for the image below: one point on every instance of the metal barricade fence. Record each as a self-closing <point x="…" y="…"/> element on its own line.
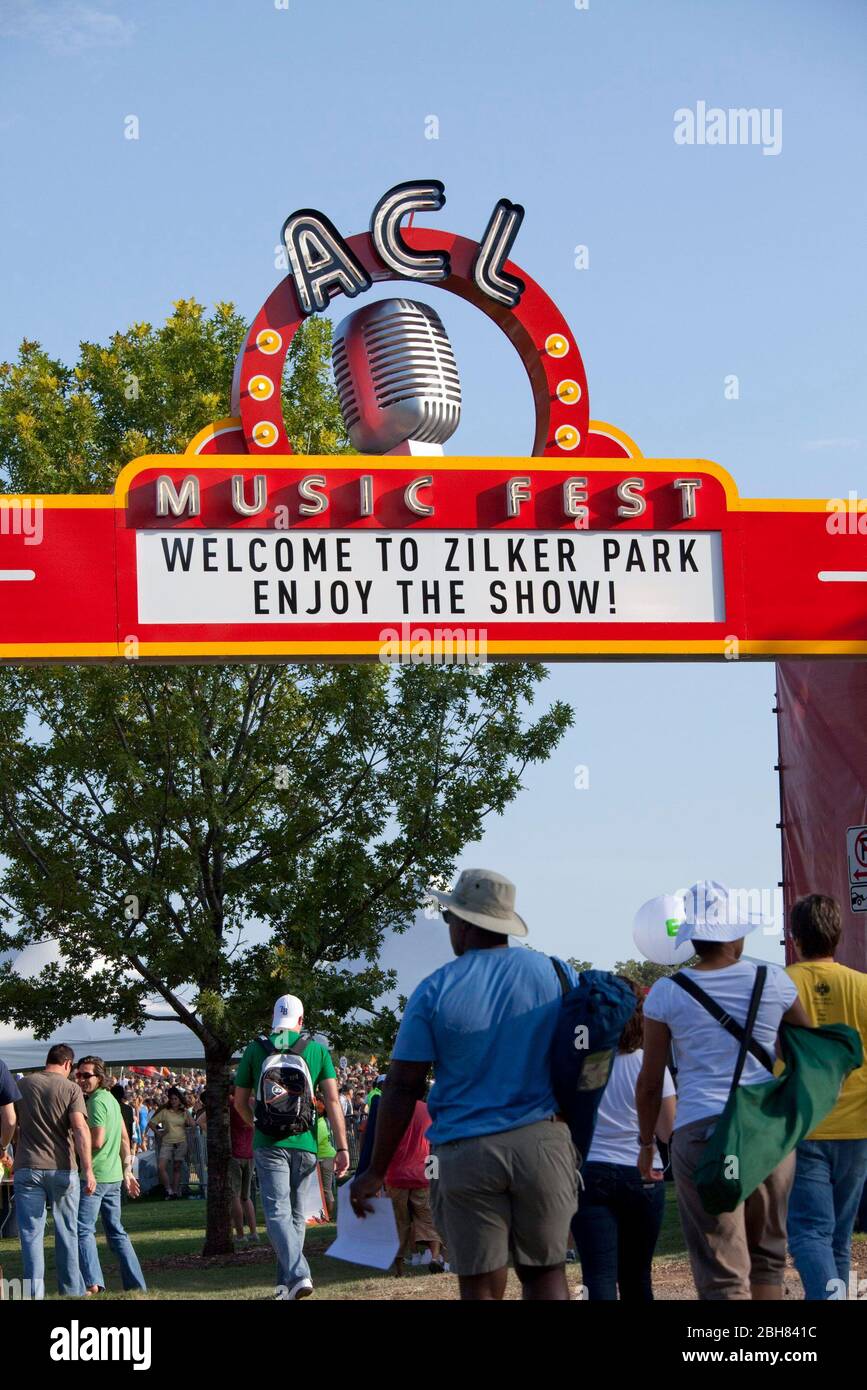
<point x="197" y="1159"/>
<point x="197" y="1164"/>
<point x="352" y="1144"/>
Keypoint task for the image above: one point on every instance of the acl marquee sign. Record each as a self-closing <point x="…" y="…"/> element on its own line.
<point x="240" y="549"/>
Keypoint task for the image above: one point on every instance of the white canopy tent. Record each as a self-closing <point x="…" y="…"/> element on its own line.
<point x="160" y="1044"/>
<point x="163" y="1042"/>
<point x="412" y="954"/>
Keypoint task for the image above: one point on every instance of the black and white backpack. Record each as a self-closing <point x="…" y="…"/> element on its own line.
<point x="284" y="1096"/>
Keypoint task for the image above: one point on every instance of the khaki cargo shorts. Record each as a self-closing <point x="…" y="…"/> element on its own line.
<point x="412" y="1214"/>
<point x="510" y="1193"/>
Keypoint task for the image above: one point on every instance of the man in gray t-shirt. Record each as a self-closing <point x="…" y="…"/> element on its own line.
<point x="52" y="1125"/>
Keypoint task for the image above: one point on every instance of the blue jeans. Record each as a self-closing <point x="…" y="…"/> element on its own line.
<point x="106" y="1199"/>
<point x="616" y="1229"/>
<point x="289" y="1189"/>
<point x="861" y="1218"/>
<point x="829" y="1180"/>
<point x="34" y="1187"/>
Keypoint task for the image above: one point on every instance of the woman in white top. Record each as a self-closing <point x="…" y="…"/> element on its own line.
<point x="619" y="1211"/>
<point x="739" y="1254"/>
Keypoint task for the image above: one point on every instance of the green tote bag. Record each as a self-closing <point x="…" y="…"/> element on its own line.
<point x="761" y="1124"/>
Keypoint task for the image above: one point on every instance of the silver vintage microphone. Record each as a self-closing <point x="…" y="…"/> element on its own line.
<point x="397" y="379"/>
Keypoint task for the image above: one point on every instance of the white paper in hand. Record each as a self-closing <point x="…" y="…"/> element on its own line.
<point x="370" y="1240"/>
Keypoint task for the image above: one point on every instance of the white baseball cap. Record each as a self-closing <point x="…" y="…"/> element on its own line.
<point x="288" y="1013"/>
<point x="713" y="912"/>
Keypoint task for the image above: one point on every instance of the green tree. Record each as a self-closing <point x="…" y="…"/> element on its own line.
<point x="209" y="837"/>
<point x="148" y="390"/>
<point x="645" y="972"/>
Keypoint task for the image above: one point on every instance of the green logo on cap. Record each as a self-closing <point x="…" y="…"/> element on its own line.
<point x="671" y="926"/>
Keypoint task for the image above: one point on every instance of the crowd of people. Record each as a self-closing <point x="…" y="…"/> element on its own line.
<point x="72" y="1151"/>
<point x="504" y="1180"/>
<point x="477" y="1162"/>
<point x="160" y="1112"/>
<point x="148" y="1091"/>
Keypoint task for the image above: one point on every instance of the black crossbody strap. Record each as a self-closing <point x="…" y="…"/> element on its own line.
<point x="755" y="999"/>
<point x="731" y="1025"/>
<point x="565" y="983"/>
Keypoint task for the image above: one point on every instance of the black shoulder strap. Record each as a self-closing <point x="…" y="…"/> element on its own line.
<point x="297" y="1047"/>
<point x="731" y="1025"/>
<point x="755" y="999"/>
<point x="565" y="983"/>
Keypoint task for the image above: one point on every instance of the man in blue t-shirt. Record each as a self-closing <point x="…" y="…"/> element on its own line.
<point x="503" y="1178"/>
<point x="9" y="1093"/>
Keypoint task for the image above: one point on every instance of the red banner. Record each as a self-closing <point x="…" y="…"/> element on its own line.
<point x="823" y="761"/>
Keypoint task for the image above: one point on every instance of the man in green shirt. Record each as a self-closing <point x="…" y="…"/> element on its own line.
<point x="286" y="1168"/>
<point x="112" y="1168"/>
<point x="376" y="1090"/>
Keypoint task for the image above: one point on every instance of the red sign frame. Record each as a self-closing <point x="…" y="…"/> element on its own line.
<point x="82" y="603"/>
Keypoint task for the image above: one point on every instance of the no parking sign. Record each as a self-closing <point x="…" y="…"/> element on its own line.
<point x="856" y="854"/>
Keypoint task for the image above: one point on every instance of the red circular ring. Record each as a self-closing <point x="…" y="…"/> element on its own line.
<point x="535" y="318"/>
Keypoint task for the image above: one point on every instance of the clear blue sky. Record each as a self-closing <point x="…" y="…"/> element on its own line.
<point x="704" y="261"/>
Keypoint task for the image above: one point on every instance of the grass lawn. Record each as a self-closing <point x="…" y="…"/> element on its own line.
<point x="169" y="1235"/>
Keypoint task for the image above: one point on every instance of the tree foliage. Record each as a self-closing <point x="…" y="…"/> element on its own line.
<point x="148" y="815"/>
<point x="148" y="390"/>
<point x="645" y="972"/>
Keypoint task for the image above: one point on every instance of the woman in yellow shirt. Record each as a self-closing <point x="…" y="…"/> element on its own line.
<point x="170" y="1124"/>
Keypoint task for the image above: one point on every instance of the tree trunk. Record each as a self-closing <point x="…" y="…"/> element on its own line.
<point x="218" y="1068"/>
